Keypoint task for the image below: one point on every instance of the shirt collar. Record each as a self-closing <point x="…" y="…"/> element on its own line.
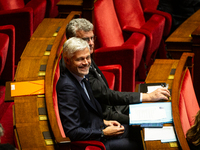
<point x="78" y="77"/>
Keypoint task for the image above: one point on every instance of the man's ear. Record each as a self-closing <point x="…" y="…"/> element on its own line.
<point x="66" y="60"/>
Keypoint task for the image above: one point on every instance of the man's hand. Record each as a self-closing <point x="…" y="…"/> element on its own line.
<point x="112" y="123"/>
<point x="113" y="131"/>
<point x="158" y="94"/>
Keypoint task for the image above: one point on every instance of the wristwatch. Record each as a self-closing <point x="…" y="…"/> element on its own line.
<point x="102" y="134"/>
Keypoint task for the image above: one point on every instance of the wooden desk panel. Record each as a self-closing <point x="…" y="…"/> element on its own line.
<point x="181" y="38"/>
<point x="37" y="47"/>
<point x="186" y="39"/>
<point x="47" y="28"/>
<point x="28" y="68"/>
<point x="160" y="72"/>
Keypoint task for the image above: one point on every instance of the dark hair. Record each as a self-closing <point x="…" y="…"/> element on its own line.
<point x="193" y="134"/>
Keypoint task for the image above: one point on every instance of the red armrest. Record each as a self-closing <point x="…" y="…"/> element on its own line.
<point x="110" y="77"/>
<point x="83" y="145"/>
<point x="148" y="35"/>
<point x="168" y="19"/>
<point x="3" y="50"/>
<point x="8" y="73"/>
<point x="117" y="71"/>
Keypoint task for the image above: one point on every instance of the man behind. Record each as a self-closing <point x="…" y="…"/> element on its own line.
<point x="82" y="28"/>
<point x="80" y="112"/>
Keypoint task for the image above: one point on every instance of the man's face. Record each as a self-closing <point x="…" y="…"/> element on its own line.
<point x="88" y="36"/>
<point x="79" y="64"/>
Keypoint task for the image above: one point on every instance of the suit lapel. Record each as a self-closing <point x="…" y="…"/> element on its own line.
<point x="83" y="94"/>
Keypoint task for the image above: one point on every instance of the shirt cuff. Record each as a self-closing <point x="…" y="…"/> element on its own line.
<point x="141" y="97"/>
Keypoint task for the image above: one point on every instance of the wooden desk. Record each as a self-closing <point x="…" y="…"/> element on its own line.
<point x="66" y="6"/>
<point x="85" y="7"/>
<point x="181" y="40"/>
<point x="164" y="70"/>
<point x="31" y="121"/>
<point x="186" y="39"/>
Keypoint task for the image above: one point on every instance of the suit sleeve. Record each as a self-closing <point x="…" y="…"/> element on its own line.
<point x="107" y="96"/>
<point x="73" y="115"/>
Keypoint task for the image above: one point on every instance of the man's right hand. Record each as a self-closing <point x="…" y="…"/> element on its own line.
<point x="113" y="130"/>
<point x="159" y="94"/>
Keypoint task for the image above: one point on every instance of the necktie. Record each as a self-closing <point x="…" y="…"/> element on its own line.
<point x="89" y="90"/>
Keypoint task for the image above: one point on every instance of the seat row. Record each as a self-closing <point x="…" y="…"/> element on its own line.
<point x="25" y="16"/>
<point x="130" y="34"/>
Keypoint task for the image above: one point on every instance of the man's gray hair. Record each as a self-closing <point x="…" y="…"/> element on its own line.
<point x="74" y="44"/>
<point x="77" y="25"/>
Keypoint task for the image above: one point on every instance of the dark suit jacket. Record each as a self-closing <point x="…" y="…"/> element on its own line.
<point x="110" y="97"/>
<point x="80" y="119"/>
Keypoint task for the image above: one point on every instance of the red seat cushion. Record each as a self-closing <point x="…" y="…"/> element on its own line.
<point x="112" y="35"/>
<point x="11" y="4"/>
<point x="6" y="118"/>
<point x="183" y="115"/>
<point x="110" y="77"/>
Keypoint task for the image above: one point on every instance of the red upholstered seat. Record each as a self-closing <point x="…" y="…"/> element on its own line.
<point x="8" y="73"/>
<point x="188" y="104"/>
<point x="132" y="19"/>
<point x="113" y="75"/>
<point x="110" y="77"/>
<point x="7" y="47"/>
<point x="113" y="47"/>
<point x="24" y="17"/>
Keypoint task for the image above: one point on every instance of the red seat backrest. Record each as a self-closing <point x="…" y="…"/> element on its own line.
<point x="129" y="13"/>
<point x="188" y="104"/>
<point x="108" y="30"/>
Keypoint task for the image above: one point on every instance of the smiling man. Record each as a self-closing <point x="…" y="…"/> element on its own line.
<point x="80" y="113"/>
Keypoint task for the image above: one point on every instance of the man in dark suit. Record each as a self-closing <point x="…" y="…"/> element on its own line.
<point x="80" y="112"/>
<point x="117" y="102"/>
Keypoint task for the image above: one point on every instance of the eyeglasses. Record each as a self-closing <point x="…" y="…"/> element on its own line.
<point x="93" y="38"/>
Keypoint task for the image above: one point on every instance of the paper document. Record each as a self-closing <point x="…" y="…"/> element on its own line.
<point x="159" y="112"/>
<point x="155" y="87"/>
<point x="165" y="134"/>
<point x="147" y="113"/>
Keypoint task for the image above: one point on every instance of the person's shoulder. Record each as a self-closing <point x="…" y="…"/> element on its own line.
<point x="193" y="147"/>
<point x="65" y="80"/>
